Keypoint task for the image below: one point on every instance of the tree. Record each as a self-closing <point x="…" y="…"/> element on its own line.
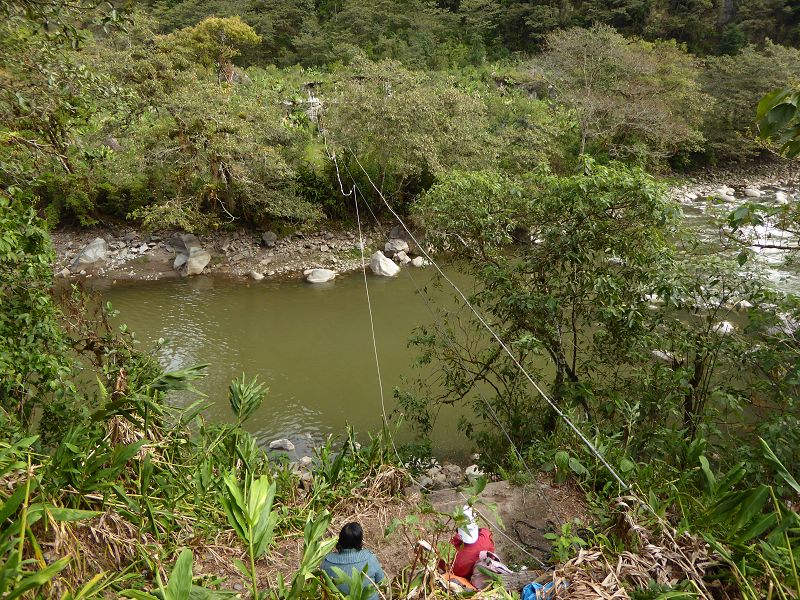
<point x="34" y="361"/>
<point x="404" y="126"/>
<point x="597" y="240"/>
<point x="632" y="99"/>
<point x="625" y="330"/>
<point x="737" y="83"/>
<point x="217" y="41"/>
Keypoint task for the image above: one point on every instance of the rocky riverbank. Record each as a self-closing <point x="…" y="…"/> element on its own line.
<point x="130" y="254"/>
<point x="780" y="175"/>
<point x="126" y="253"/>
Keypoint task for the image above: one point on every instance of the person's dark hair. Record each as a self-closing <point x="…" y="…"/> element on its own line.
<point x="350" y="537"/>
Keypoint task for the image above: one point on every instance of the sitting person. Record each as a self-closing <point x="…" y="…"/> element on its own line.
<point x="350" y="557"/>
<point x="469" y="541"/>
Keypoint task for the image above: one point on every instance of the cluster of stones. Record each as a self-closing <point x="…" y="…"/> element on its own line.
<point x="448" y="475"/>
<point x="385" y="263"/>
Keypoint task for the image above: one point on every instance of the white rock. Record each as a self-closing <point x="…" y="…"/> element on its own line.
<point x="418" y="261"/>
<point x="401" y="258"/>
<point x="663" y="355"/>
<point x="197" y="261"/>
<point x="724" y="327"/>
<point x="781" y="197"/>
<point x="305" y="462"/>
<point x="324" y="248"/>
<point x="724" y="190"/>
<point x="256" y="276"/>
<point x="282" y="444"/>
<point x="753" y="192"/>
<point x="319" y="275"/>
<point x="381" y="265"/>
<point x="743" y="304"/>
<point x="473" y="472"/>
<point x="65" y="273"/>
<point x="395" y="246"/>
<point x="92" y="253"/>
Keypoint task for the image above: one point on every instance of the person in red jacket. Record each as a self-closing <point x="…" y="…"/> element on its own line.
<point x="469" y="541"/>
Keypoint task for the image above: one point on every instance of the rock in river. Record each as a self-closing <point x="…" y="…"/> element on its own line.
<point x="94" y="252"/>
<point x="381" y="265"/>
<point x="282" y="444"/>
<point x="256" y="276"/>
<point x="418" y="261"/>
<point x="753" y="193"/>
<point x="320" y="275"/>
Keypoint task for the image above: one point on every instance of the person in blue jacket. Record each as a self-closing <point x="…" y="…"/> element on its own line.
<point x="351" y="557"/>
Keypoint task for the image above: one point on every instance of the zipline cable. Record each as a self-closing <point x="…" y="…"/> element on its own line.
<point x="353" y="192"/>
<point x="503" y="345"/>
<point x="451" y="342"/>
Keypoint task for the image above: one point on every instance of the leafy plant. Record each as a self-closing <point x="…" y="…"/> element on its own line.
<point x="564" y="544"/>
<point x="179" y="586"/>
<point x="250" y="513"/>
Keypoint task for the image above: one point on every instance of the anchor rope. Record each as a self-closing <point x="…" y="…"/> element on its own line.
<point x="354" y="194"/>
<point x="499" y="340"/>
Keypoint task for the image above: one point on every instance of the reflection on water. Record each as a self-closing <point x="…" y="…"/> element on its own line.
<point x="310" y="343"/>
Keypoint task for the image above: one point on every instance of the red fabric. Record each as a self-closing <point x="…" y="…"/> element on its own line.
<point x="467" y="554"/>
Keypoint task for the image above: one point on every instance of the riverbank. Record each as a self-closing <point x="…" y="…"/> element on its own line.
<point x="248" y="254"/>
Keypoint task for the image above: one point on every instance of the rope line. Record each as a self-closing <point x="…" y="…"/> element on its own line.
<point x="503" y="345"/>
<point x="450" y="341"/>
<point x="353" y="192"/>
<point x="595" y="451"/>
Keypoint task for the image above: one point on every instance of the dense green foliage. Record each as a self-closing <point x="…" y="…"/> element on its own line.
<point x="519" y="135"/>
<point x="195" y="114"/>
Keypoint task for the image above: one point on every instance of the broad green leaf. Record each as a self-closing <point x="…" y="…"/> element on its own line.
<point x="180" y="580"/>
<point x="783" y="472"/>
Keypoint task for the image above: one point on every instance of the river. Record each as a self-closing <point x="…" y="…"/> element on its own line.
<point x="312" y="343"/>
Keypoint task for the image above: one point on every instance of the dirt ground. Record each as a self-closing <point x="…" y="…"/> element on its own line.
<point x="527" y="513"/>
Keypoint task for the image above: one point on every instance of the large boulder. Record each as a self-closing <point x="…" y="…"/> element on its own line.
<point x="282" y="444"/>
<point x="91" y="254"/>
<point x="392" y="247"/>
<point x="197" y="260"/>
<point x="381" y="265"/>
<point x="182" y="243"/>
<point x="320" y="275"/>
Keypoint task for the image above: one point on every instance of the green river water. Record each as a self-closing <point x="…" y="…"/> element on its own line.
<point x="312" y="344"/>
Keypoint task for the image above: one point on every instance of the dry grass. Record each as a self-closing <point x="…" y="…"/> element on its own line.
<point x="663" y="556"/>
